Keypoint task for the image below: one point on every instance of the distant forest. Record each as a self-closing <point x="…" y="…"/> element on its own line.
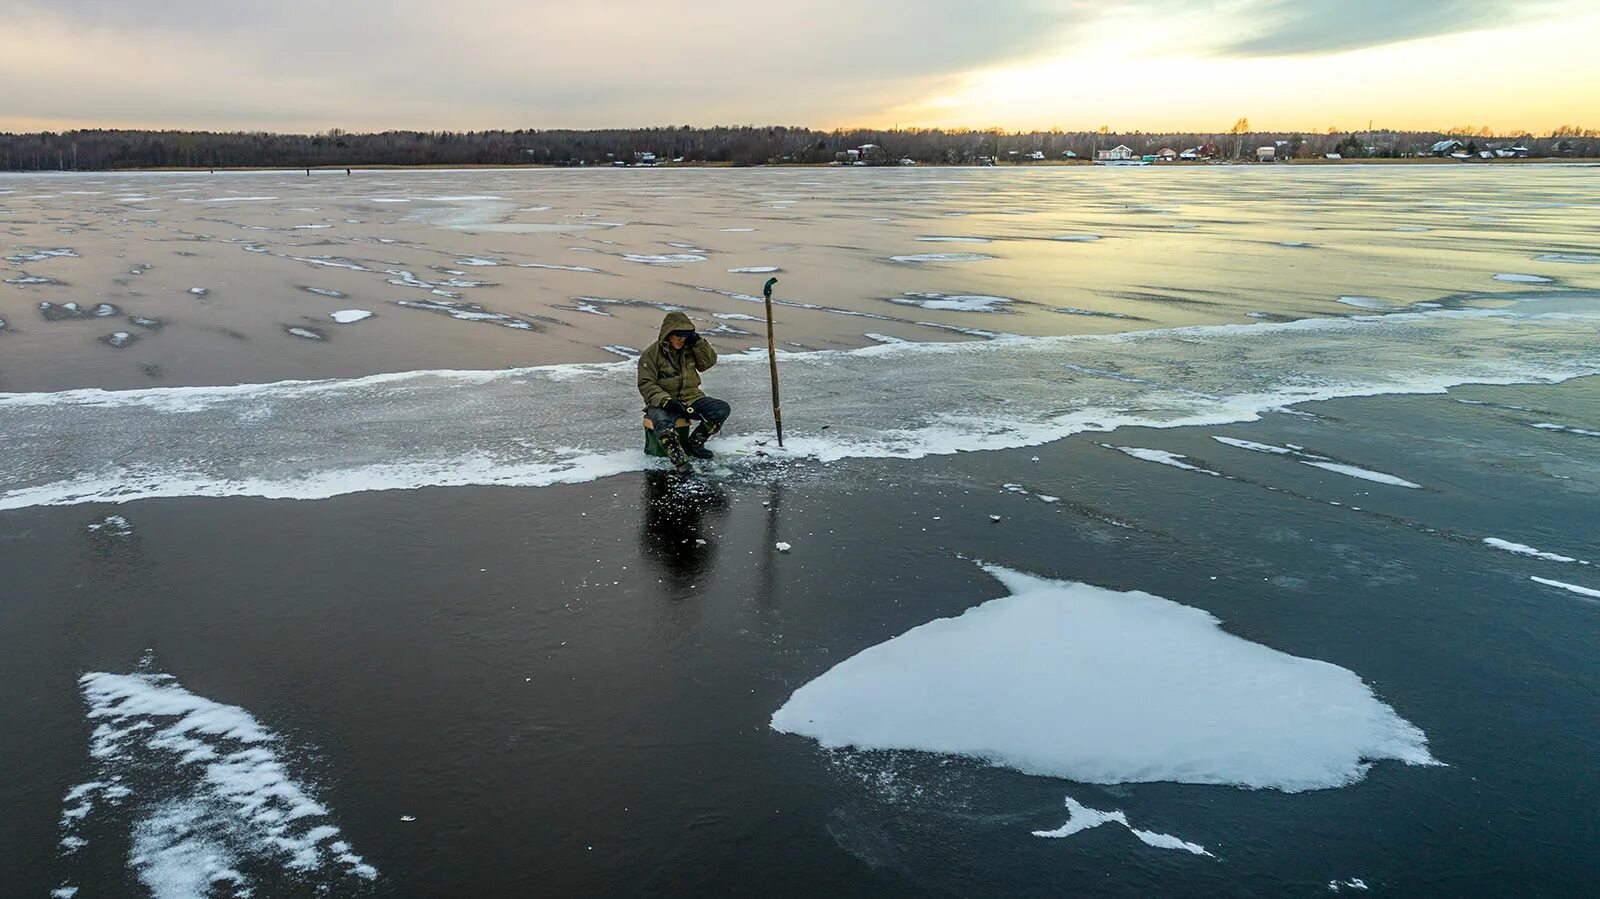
<point x="99" y="150"/>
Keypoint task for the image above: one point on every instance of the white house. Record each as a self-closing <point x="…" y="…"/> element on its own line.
<point x="1121" y="152"/>
<point x="1266" y="154"/>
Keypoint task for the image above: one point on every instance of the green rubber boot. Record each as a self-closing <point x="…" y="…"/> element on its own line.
<point x="673" y="446"/>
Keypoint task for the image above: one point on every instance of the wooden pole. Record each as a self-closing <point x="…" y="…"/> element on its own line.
<point x="772" y="360"/>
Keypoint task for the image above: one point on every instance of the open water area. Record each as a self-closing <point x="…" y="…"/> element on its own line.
<point x="1185" y="532"/>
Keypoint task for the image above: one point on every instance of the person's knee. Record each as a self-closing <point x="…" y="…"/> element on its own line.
<point x="718" y="412"/>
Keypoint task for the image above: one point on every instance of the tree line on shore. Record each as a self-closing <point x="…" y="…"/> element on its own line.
<point x="106" y="149"/>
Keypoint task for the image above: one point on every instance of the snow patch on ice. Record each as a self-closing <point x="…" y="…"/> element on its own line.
<point x="1161" y="456"/>
<point x="955" y="239"/>
<point x="1523" y="279"/>
<point x="1570" y="588"/>
<point x="942" y="257"/>
<point x="206" y="791"/>
<point x="1565" y="429"/>
<point x="1364" y="474"/>
<point x="562" y="268"/>
<point x="113" y="525"/>
<point x="1523" y="549"/>
<point x="1253" y="446"/>
<point x="1365" y="302"/>
<point x="1080" y="818"/>
<point x="1572" y="258"/>
<point x="753" y="270"/>
<point x="666" y="259"/>
<point x="347" y="316"/>
<point x="1071" y="680"/>
<point x="954" y="302"/>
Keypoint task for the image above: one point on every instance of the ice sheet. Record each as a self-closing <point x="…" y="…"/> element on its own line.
<point x="1070" y="680"/>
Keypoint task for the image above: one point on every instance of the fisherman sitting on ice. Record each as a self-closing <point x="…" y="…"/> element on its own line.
<point x="669" y="381"/>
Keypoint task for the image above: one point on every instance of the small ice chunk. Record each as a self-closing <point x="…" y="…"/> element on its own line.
<point x="1076" y="238"/>
<point x="782" y="547"/>
<point x="409" y="818"/>
<point x="1081" y="818"/>
<point x="994" y="518"/>
<point x="346" y="316"/>
<point x="1523" y="279"/>
<point x="199" y="291"/>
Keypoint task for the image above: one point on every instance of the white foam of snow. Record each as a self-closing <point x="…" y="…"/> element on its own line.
<point x="204" y="788"/>
<point x="306" y="333"/>
<point x="1523" y="549"/>
<point x="955" y="240"/>
<point x="1070" y="680"/>
<point x="1163" y="457"/>
<point x="346" y="316"/>
<point x="753" y="270"/>
<point x="1570" y="588"/>
<point x="942" y="257"/>
<point x="157" y="442"/>
<point x="1573" y="258"/>
<point x="1523" y="279"/>
<point x="735" y="230"/>
<point x="1364" y="474"/>
<point x="1076" y="238"/>
<point x="1080" y="818"/>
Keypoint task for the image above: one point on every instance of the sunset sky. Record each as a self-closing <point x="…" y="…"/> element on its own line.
<point x="1152" y="65"/>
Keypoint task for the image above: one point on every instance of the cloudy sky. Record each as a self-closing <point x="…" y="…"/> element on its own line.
<point x="310" y="65"/>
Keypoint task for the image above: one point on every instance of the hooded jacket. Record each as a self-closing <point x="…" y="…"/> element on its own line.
<point x="669" y="374"/>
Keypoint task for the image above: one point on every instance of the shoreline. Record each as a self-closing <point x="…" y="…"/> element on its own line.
<point x="1585" y="161"/>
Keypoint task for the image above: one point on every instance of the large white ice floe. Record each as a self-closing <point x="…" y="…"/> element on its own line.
<point x="579" y="422"/>
<point x="205" y="793"/>
<point x="1099" y="686"/>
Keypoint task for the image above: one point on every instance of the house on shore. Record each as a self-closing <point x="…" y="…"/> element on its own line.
<point x="1119" y="153"/>
<point x="1166" y="154"/>
<point x="1266" y="154"/>
<point x="1446" y="147"/>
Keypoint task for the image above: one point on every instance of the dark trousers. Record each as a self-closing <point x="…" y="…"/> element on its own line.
<point x="707" y="409"/>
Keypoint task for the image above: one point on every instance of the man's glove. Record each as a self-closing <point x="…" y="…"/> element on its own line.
<point x="690" y="339"/>
<point x="676" y="408"/>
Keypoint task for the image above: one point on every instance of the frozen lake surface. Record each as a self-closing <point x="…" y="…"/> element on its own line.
<point x="1221" y="531"/>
